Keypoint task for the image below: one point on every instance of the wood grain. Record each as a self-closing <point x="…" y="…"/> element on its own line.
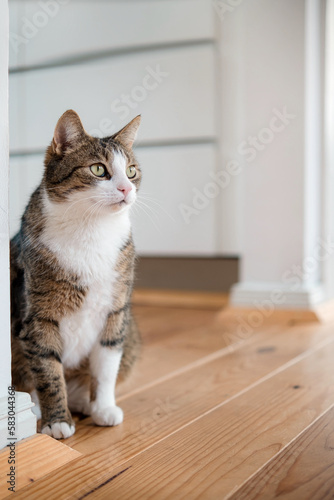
<point x="171" y="423"/>
<point x="278" y="316"/>
<point x="218" y="452"/>
<point x="302" y="470"/>
<point x="35" y="458"/>
<point x="212" y="404"/>
<point x="174" y="338"/>
<point x="176" y="298"/>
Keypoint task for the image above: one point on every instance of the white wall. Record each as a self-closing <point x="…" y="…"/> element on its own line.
<point x="273" y="195"/>
<point x="233" y="69"/>
<point x="108" y="49"/>
<point x="282" y="180"/>
<point x="4" y="233"/>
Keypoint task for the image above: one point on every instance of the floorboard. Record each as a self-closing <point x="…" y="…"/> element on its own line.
<point x="177" y="298"/>
<point x="211" y="405"/>
<point x="215" y="454"/>
<point x="174" y="338"/>
<point x="304" y="469"/>
<point x="34" y="458"/>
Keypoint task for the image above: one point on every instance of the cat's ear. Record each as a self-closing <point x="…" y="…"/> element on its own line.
<point x="127" y="134"/>
<point x="67" y="132"/>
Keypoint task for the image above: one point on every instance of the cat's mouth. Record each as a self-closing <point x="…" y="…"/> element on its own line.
<point x="117" y="205"/>
<point x="123" y="203"/>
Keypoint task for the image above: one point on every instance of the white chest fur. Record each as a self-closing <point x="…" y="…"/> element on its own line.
<point x="79" y="331"/>
<point x="90" y="251"/>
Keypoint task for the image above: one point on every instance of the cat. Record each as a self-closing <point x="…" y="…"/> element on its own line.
<point x="72" y="271"/>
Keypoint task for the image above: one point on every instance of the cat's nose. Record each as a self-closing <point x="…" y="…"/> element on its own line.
<point x="125" y="190"/>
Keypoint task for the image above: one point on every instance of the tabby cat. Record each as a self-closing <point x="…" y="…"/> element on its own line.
<point x="72" y="267"/>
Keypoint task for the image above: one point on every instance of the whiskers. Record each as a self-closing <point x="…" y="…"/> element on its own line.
<point x="80" y="200"/>
<point x="144" y="202"/>
<point x="93" y="211"/>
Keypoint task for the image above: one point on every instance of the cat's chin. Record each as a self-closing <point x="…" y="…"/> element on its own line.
<point x="121" y="206"/>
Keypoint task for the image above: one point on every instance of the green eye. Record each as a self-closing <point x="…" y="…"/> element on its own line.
<point x="131" y="172"/>
<point x="98" y="170"/>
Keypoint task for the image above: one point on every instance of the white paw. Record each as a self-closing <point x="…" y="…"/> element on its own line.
<point x="59" y="430"/>
<point x="113" y="415"/>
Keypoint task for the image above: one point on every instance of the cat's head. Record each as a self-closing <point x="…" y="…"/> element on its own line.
<point x="92" y="172"/>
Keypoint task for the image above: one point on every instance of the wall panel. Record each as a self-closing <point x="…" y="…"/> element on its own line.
<point x="173" y="90"/>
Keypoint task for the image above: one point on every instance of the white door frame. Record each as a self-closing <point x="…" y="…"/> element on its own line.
<point x="328" y="184"/>
<point x="4" y="224"/>
<point x="23" y="422"/>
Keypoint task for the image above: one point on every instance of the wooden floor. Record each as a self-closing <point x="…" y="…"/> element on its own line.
<point x="215" y="409"/>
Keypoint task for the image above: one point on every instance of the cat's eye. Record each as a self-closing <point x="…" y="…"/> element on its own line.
<point x="131" y="172"/>
<point x="98" y="170"/>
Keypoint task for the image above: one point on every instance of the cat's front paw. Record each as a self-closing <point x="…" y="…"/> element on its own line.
<point x="59" y="430"/>
<point x="113" y="415"/>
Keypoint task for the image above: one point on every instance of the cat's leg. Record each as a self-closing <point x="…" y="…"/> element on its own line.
<point x="36" y="409"/>
<point x="78" y="394"/>
<point x="41" y="345"/>
<point x="105" y="362"/>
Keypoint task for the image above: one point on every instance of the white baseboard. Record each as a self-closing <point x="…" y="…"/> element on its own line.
<point x="25" y="420"/>
<point x="276" y="296"/>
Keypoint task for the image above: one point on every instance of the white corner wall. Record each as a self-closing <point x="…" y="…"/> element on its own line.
<point x="25" y="420"/>
<point x="281" y="154"/>
<point x="328" y="207"/>
<point x="5" y="377"/>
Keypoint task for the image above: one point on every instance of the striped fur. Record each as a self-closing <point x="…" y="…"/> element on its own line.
<point x="72" y="271"/>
